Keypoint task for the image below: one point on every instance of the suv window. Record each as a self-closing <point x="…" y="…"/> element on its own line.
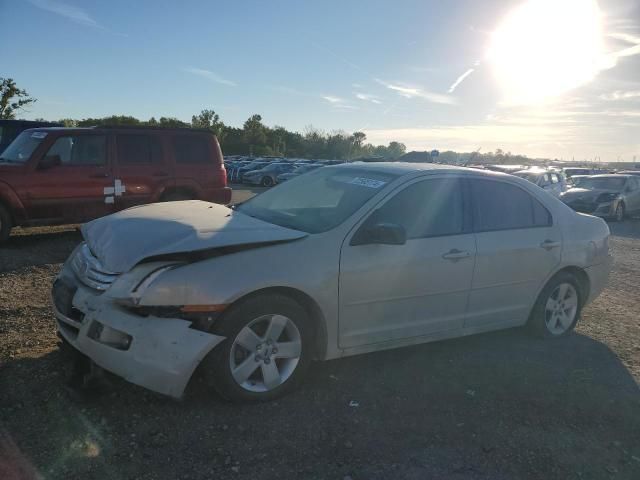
<point x="429" y="208"/>
<point x="80" y="149"/>
<point x="191" y="149"/>
<point x="138" y="149"/>
<point x="502" y="206"/>
<point x="554" y="178"/>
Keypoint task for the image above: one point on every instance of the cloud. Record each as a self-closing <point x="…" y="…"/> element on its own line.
<point x="71" y="12"/>
<point x="338" y="103"/>
<point x="333" y="100"/>
<point x="366" y="97"/>
<point x="414" y="92"/>
<point x="209" y="75"/>
<point x="460" y="79"/>
<point x="621" y="95"/>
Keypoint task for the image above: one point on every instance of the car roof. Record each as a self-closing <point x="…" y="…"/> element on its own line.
<point x="611" y="175"/>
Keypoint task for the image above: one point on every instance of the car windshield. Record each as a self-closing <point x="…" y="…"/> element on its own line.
<point x="603" y="183"/>
<point x="21" y="149"/>
<point x="319" y="201"/>
<point x="532" y="177"/>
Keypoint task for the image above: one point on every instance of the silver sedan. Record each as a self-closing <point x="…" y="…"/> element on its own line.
<point x="341" y="261"/>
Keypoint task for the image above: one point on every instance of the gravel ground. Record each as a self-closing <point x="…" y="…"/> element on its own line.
<point x="493" y="406"/>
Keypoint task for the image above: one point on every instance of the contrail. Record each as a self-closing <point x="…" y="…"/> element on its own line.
<point x="460" y="79"/>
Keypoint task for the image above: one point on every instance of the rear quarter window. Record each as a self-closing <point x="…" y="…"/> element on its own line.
<point x="191" y="149"/>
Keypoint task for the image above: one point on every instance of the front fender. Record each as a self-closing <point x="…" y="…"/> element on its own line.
<point x="11" y="200"/>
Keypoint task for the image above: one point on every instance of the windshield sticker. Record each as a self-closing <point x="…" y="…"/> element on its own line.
<point x="367" y="182"/>
<point x="38" y="134"/>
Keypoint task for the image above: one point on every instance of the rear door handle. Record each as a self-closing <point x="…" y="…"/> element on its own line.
<point x="99" y="175"/>
<point x="455" y="255"/>
<point x="549" y="244"/>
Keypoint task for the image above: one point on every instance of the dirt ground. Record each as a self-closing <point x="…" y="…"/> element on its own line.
<point x="494" y="406"/>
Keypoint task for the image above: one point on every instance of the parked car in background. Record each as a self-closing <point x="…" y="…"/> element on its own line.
<point x="629" y="172"/>
<point x="417" y="253"/>
<point x="551" y="181"/>
<point x="267" y="176"/>
<point x="68" y="175"/>
<point x="576" y="180"/>
<point x="571" y="171"/>
<point x="299" y="170"/>
<point x="248" y="167"/>
<point x="10" y="129"/>
<point x="611" y="196"/>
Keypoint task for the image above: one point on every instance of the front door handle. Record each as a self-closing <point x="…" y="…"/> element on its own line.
<point x="454" y="255"/>
<point x="549" y="244"/>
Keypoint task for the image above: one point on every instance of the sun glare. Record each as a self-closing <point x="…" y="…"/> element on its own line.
<point x="544" y="48"/>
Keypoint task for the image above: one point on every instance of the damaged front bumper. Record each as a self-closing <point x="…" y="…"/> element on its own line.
<point x="157" y="353"/>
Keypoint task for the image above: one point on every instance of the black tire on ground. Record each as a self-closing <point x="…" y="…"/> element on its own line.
<point x="620" y="212"/>
<point x="5" y="223"/>
<point x="177" y="196"/>
<point x="537" y="323"/>
<point x="267" y="182"/>
<point x="216" y="367"/>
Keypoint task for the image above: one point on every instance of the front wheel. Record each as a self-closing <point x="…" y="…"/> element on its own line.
<point x="558" y="307"/>
<point x="5" y="224"/>
<point x="267" y="182"/>
<point x="619" y="215"/>
<point x="267" y="349"/>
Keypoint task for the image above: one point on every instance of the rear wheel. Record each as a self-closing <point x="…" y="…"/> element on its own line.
<point x="620" y="212"/>
<point x="177" y="196"/>
<point x="558" y="307"/>
<point x="267" y="182"/>
<point x="5" y="223"/>
<point x="267" y="349"/>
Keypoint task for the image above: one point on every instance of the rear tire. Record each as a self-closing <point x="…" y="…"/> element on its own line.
<point x="5" y="223"/>
<point x="252" y="364"/>
<point x="620" y="212"/>
<point x="267" y="182"/>
<point x="557" y="308"/>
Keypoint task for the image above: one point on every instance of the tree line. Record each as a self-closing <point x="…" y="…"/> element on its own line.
<point x="256" y="138"/>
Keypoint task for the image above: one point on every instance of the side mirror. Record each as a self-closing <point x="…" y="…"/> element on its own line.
<point x="50" y="161"/>
<point x="380" y="234"/>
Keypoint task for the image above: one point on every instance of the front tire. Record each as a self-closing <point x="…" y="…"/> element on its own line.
<point x="5" y="224"/>
<point x="267" y="182"/>
<point x="620" y="212"/>
<point x="557" y="308"/>
<point x="266" y="352"/>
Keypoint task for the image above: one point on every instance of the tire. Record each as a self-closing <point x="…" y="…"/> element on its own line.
<point x="5" y="224"/>
<point x="177" y="196"/>
<point x="620" y="212"/>
<point x="555" y="313"/>
<point x="259" y="314"/>
<point x="267" y="182"/>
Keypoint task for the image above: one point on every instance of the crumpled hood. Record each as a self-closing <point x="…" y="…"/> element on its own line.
<point x="584" y="194"/>
<point x="124" y="239"/>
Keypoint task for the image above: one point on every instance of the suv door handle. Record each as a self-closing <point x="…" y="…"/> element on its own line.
<point x="549" y="244"/>
<point x="99" y="175"/>
<point x="455" y="255"/>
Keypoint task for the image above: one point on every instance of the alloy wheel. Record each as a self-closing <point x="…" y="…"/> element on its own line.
<point x="561" y="308"/>
<point x="265" y="353"/>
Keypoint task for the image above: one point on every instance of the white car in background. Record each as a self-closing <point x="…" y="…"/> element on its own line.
<point x="340" y="261"/>
<point x="552" y="181"/>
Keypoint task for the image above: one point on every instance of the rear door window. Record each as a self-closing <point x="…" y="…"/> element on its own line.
<point x="502" y="206"/>
<point x="190" y="149"/>
<point x="138" y="149"/>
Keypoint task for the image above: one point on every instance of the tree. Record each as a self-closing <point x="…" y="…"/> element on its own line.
<point x="210" y="120"/>
<point x="254" y="133"/>
<point x="395" y="150"/>
<point x="12" y="99"/>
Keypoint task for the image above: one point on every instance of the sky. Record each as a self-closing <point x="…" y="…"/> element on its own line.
<point x="544" y="78"/>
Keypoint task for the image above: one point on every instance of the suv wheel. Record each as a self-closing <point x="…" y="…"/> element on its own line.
<point x="267" y="182"/>
<point x="558" y="307"/>
<point x="5" y="223"/>
<point x="267" y="349"/>
<point x="619" y="215"/>
<point x="177" y="196"/>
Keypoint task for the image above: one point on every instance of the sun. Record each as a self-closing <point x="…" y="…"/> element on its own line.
<point x="544" y="48"/>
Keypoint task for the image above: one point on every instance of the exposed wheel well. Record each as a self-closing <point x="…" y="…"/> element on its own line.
<point x="312" y="309"/>
<point x="178" y="193"/>
<point x="582" y="278"/>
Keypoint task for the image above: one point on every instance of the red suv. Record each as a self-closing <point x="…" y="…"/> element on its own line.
<point x="68" y="175"/>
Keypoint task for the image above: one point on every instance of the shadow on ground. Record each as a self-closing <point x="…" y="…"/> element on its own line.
<point x="38" y="246"/>
<point x="629" y="228"/>
<point x="494" y="406"/>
